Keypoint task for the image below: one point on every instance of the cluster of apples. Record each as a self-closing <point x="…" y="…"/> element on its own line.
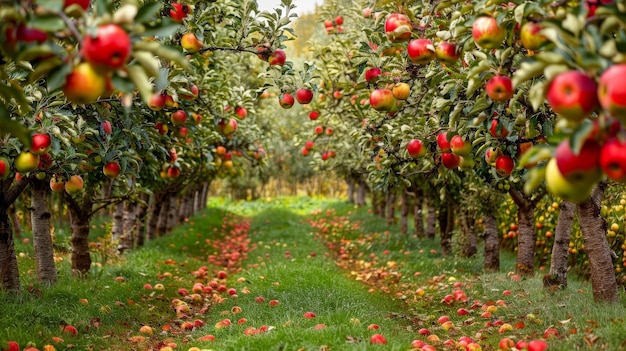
<point x="574" y="95"/>
<point x="334" y="26"/>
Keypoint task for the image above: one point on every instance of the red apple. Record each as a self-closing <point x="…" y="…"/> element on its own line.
<point x="339" y="20"/>
<point x="84" y="84"/>
<point x="278" y="57"/>
<point x="319" y="130"/>
<point x="443" y="143"/>
<point x="398" y="27"/>
<point x="193" y="89"/>
<point x="557" y="185"/>
<point x="181" y="132"/>
<point x="582" y="167"/>
<point x="611" y="91"/>
<point x="378" y="339"/>
<point x="421" y="51"/>
<point x="82" y="3"/>
<point x="304" y="151"/>
<point x="107" y="129"/>
<point x="530" y="36"/>
<point x="372" y="74"/>
<point x="450" y="160"/>
<point x="241" y="112"/>
<point x="498" y="130"/>
<point x="487" y="33"/>
<point x="286" y="100"/>
<point x="45" y="161"/>
<point x="112" y="169"/>
<point x="459" y="146"/>
<point x="382" y="99"/>
<point x="499" y="88"/>
<point x="537" y="345"/>
<point x="179" y="12"/>
<point x="178" y="118"/>
<point x="309" y="145"/>
<point x="329" y="131"/>
<point x="173" y="172"/>
<point x="161" y="127"/>
<point x="504" y="165"/>
<point x="40" y="143"/>
<point x="506" y="344"/>
<point x="190" y="43"/>
<point x="573" y="95"/>
<point x="109" y="48"/>
<point x="416" y="148"/>
<point x="74" y="184"/>
<point x="613" y="159"/>
<point x="228" y="127"/>
<point x="446" y="52"/>
<point x="313" y="115"/>
<point x="5" y="168"/>
<point x="304" y="95"/>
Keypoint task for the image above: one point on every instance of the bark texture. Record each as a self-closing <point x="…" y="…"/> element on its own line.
<point x="9" y="272"/>
<point x="525" y="265"/>
<point x="492" y="244"/>
<point x="404" y="213"/>
<point x="468" y="233"/>
<point x="594" y="228"/>
<point x="80" y="216"/>
<point x="557" y="276"/>
<point x="418" y="215"/>
<point x="42" y="237"/>
<point x="431" y="219"/>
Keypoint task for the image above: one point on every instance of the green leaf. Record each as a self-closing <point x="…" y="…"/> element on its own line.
<point x="537" y="94"/>
<point x="138" y="76"/>
<point x="148" y="11"/>
<point x="56" y="79"/>
<point x="48" y="23"/>
<point x="11" y="127"/>
<point x="165" y="29"/>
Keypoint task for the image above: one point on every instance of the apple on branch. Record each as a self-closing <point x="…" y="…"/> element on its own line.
<point x="416" y="148"/>
<point x="459" y="146"/>
<point x="582" y="167"/>
<point x="443" y="143"/>
<point x="191" y="43"/>
<point x="286" y="100"/>
<point x="421" y="51"/>
<point x="613" y="159"/>
<point x="401" y="91"/>
<point x="40" y="143"/>
<point x="446" y="52"/>
<point x="487" y="33"/>
<point x="84" y="84"/>
<point x="382" y="99"/>
<point x="112" y="169"/>
<point x="531" y="37"/>
<point x="573" y="95"/>
<point x="108" y="49"/>
<point x="304" y="95"/>
<point x="499" y="88"/>
<point x="556" y="184"/>
<point x="612" y="91"/>
<point x="398" y="28"/>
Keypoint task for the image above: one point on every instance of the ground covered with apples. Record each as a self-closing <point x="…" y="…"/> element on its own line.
<point x="298" y="274"/>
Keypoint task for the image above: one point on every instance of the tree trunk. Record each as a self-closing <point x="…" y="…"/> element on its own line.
<point x="594" y="228"/>
<point x="418" y="216"/>
<point x="15" y="222"/>
<point x="142" y="211"/>
<point x="492" y="244"/>
<point x="446" y="224"/>
<point x="161" y="228"/>
<point x="80" y="216"/>
<point x="431" y="219"/>
<point x="361" y="192"/>
<point x="172" y="214"/>
<point x="390" y="208"/>
<point x="117" y="228"/>
<point x="404" y="213"/>
<point x="468" y="234"/>
<point x="205" y="195"/>
<point x="351" y="184"/>
<point x="129" y="227"/>
<point x="525" y="265"/>
<point x="560" y="249"/>
<point x="42" y="238"/>
<point x="9" y="272"/>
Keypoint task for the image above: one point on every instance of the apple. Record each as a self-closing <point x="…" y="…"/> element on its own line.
<point x="491" y="155"/>
<point x="537" y="345"/>
<point x="178" y="118"/>
<point x="499" y="88"/>
<point x="530" y="36"/>
<point x="108" y="49"/>
<point x="398" y="27"/>
<point x="161" y="127"/>
<point x="319" y="130"/>
<point x="382" y="99"/>
<point x="459" y="146"/>
<point x="84" y="4"/>
<point x="584" y="167"/>
<point x="26" y="162"/>
<point x="40" y="143"/>
<point x="378" y="339"/>
<point x="107" y="129"/>
<point x="450" y="160"/>
<point x="466" y="163"/>
<point x="74" y="184"/>
<point x="421" y="51"/>
<point x="401" y="91"/>
<point x="487" y="33"/>
<point x="228" y="127"/>
<point x="179" y="12"/>
<point x="304" y="151"/>
<point x="304" y="95"/>
<point x="84" y="84"/>
<point x="443" y="143"/>
<point x="5" y="168"/>
<point x="611" y="93"/>
<point x="156" y="102"/>
<point x="278" y="57"/>
<point x="337" y="94"/>
<point x="169" y="101"/>
<point x="372" y="74"/>
<point x="498" y="130"/>
<point x="504" y="165"/>
<point x="506" y="344"/>
<point x="367" y="12"/>
<point x="111" y="169"/>
<point x="309" y="145"/>
<point x="593" y="5"/>
<point x="313" y="115"/>
<point x="416" y="148"/>
<point x="557" y="185"/>
<point x="339" y="20"/>
<point x="573" y="95"/>
<point x="191" y="43"/>
<point x="613" y="160"/>
<point x="521" y="344"/>
<point x="286" y="100"/>
<point x="329" y="131"/>
<point x="193" y="89"/>
<point x="173" y="172"/>
<point x="241" y="112"/>
<point x="45" y="161"/>
<point x="446" y="52"/>
<point x="29" y="35"/>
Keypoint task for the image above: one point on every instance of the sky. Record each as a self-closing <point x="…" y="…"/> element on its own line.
<point x="302" y="6"/>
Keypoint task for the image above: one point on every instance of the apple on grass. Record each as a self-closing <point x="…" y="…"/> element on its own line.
<point x="378" y="339"/>
<point x="487" y="33"/>
<point x="108" y="49"/>
<point x="573" y="95"/>
<point x="499" y="88"/>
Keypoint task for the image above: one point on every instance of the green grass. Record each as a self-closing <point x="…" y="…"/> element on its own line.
<point x="300" y="282"/>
